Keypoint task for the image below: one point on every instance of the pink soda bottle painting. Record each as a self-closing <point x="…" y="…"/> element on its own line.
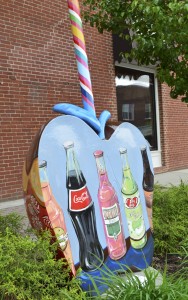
<point x="110" y="211"/>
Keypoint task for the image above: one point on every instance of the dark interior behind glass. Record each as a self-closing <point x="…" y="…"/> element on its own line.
<point x="136" y="101"/>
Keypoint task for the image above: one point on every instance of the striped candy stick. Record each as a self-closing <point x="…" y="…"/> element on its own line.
<point x="81" y="56"/>
<point x="87" y="114"/>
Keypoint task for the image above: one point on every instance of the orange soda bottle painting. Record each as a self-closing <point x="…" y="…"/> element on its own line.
<point x="55" y="214"/>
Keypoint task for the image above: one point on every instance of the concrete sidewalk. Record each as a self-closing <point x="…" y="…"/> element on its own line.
<point x="172" y="178"/>
<point x="165" y="179"/>
<point x="16" y="206"/>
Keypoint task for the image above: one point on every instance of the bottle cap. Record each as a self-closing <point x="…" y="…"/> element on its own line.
<point x="98" y="153"/>
<point x="143" y="147"/>
<point x="42" y="164"/>
<point x="68" y="144"/>
<point x="123" y="150"/>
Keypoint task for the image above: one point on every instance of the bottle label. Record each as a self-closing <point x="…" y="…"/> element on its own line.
<point x="111" y="221"/>
<point x="131" y="202"/>
<point x="79" y="199"/>
<point x="63" y="240"/>
<point x="148" y="198"/>
<point x="134" y="215"/>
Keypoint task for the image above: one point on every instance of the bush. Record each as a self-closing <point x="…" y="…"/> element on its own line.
<point x="13" y="221"/>
<point x="28" y="269"/>
<point x="170" y="219"/>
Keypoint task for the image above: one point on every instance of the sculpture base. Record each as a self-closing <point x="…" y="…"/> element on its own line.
<point x="142" y="277"/>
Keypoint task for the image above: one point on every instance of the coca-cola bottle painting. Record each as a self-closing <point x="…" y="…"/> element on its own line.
<point x="82" y="213"/>
<point x="110" y="211"/>
<point x="55" y="215"/>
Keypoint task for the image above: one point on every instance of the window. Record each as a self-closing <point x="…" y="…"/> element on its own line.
<point x="147" y="111"/>
<point x="136" y="101"/>
<point x="128" y="112"/>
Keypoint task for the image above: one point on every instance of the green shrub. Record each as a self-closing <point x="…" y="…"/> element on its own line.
<point x="170" y="219"/>
<point x="28" y="269"/>
<point x="13" y="221"/>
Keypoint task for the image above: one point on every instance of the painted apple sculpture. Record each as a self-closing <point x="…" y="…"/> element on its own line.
<point x="89" y="193"/>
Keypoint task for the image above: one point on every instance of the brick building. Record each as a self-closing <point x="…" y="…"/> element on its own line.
<point x="38" y="70"/>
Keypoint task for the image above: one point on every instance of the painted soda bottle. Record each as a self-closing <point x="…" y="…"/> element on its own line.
<point x="133" y="206"/>
<point x="55" y="215"/>
<point x="148" y="184"/>
<point x="82" y="213"/>
<point x="110" y="211"/>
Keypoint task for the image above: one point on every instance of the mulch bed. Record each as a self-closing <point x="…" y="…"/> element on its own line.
<point x="172" y="263"/>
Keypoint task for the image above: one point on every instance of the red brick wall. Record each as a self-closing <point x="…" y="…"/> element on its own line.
<point x="174" y="131"/>
<point x="38" y="70"/>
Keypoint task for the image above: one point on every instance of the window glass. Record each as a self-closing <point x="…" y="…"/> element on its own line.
<point x="136" y="101"/>
<point x="147" y="111"/>
<point x="128" y="112"/>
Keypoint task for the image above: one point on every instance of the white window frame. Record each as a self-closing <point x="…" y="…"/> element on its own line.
<point x="155" y="154"/>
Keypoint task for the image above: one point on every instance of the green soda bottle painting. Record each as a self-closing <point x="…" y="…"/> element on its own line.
<point x="132" y="205"/>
